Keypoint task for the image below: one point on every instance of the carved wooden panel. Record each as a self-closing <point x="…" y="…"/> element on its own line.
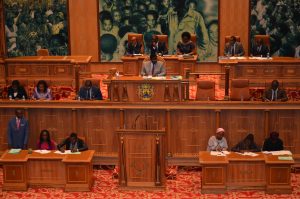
<point x="214" y="175"/>
<point x="98" y="127"/>
<point x="131" y="68"/>
<point x="145" y="119"/>
<point x="50" y="172"/>
<point x="239" y="123"/>
<point x="191" y="130"/>
<point x="286" y="122"/>
<point x="140" y="159"/>
<point x="172" y="67"/>
<point x="241" y="173"/>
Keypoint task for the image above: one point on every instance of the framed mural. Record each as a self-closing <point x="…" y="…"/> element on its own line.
<point x="34" y="24"/>
<point x="117" y="18"/>
<point x="280" y="20"/>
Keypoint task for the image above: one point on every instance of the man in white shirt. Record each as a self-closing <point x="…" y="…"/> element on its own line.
<point x="217" y="142"/>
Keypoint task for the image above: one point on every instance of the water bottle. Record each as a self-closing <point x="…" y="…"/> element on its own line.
<point x="23" y="97"/>
<point x="10" y="97"/>
<point x="78" y="98"/>
<point x="268" y="55"/>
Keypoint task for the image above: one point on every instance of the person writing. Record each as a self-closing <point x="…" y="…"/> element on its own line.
<point x="273" y="143"/>
<point x="45" y="142"/>
<point x="133" y="47"/>
<point x="217" y="142"/>
<point x="186" y="46"/>
<point x="247" y="144"/>
<point x="275" y="93"/>
<point x="89" y="91"/>
<point x="158" y="47"/>
<point x="153" y="67"/>
<point x="72" y="143"/>
<point x="18" y="131"/>
<point x="16" y="91"/>
<point x="233" y="48"/>
<point x="260" y="49"/>
<point x="41" y="91"/>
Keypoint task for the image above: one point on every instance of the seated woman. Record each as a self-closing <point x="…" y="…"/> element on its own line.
<point x="41" y="91"/>
<point x="16" y="91"/>
<point x="273" y="143"/>
<point x="247" y="144"/>
<point x="186" y="46"/>
<point x="45" y="142"/>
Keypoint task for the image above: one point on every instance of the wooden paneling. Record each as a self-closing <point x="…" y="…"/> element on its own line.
<point x="83" y="18"/>
<point x="234" y="20"/>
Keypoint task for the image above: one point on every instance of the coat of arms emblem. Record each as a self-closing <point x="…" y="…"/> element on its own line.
<point x="145" y="92"/>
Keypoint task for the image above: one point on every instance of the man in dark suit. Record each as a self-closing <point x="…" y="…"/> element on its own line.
<point x="153" y="67"/>
<point x="18" y="131"/>
<point x="158" y="47"/>
<point x="133" y="47"/>
<point x="90" y="92"/>
<point x="72" y="143"/>
<point x="233" y="48"/>
<point x="275" y="93"/>
<point x="260" y="49"/>
<point x="16" y="91"/>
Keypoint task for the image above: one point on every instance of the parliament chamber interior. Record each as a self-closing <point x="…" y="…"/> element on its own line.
<point x="149" y="98"/>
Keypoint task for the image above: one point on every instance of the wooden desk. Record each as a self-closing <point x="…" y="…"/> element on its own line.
<point x="137" y="89"/>
<point x="60" y="70"/>
<point x="71" y="172"/>
<point x="175" y="65"/>
<point x="236" y="171"/>
<point x="260" y="72"/>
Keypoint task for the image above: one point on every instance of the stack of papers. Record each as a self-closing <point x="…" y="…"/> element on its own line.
<point x="66" y="152"/>
<point x="283" y="152"/>
<point x="14" y="151"/>
<point x="219" y="153"/>
<point x="42" y="151"/>
<point x="237" y="57"/>
<point x="248" y="154"/>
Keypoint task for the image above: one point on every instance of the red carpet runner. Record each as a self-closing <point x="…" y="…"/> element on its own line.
<point x="185" y="186"/>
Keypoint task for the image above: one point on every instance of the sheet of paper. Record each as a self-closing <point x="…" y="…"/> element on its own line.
<point x="66" y="152"/>
<point x="42" y="151"/>
<point x="283" y="152"/>
<point x="217" y="153"/>
<point x="250" y="154"/>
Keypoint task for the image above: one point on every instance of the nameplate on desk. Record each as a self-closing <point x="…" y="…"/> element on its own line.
<point x="285" y="158"/>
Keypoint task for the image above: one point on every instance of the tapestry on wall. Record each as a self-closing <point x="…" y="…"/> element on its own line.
<point x="169" y="17"/>
<point x="31" y="25"/>
<point x="280" y="20"/>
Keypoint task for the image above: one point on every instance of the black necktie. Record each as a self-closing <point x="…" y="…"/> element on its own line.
<point x="232" y="50"/>
<point x="153" y="69"/>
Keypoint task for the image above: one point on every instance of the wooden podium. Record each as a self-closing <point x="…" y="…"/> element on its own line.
<point x="141" y="158"/>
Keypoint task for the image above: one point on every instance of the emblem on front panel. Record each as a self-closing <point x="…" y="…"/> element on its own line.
<point x="145" y="92"/>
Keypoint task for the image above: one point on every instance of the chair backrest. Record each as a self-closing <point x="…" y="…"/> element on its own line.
<point x="194" y="40"/>
<point x="139" y="38"/>
<point x="227" y="38"/>
<point x="163" y="38"/>
<point x="205" y="90"/>
<point x="265" y="38"/>
<point x="95" y="82"/>
<point x="43" y="52"/>
<point x="239" y="89"/>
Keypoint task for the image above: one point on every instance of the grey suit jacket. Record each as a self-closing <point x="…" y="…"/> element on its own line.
<point x="238" y="49"/>
<point x="159" y="69"/>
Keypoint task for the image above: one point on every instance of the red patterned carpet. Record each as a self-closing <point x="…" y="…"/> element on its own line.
<point x="185" y="186"/>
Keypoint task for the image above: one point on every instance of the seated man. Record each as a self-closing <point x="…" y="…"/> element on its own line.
<point x="247" y="144"/>
<point x="260" y="49"/>
<point x="158" y="47"/>
<point x="273" y="143"/>
<point x="275" y="93"/>
<point x="153" y="67"/>
<point x="133" y="47"/>
<point x="233" y="48"/>
<point x="90" y="92"/>
<point x="72" y="143"/>
<point x="16" y="91"/>
<point x="217" y="142"/>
